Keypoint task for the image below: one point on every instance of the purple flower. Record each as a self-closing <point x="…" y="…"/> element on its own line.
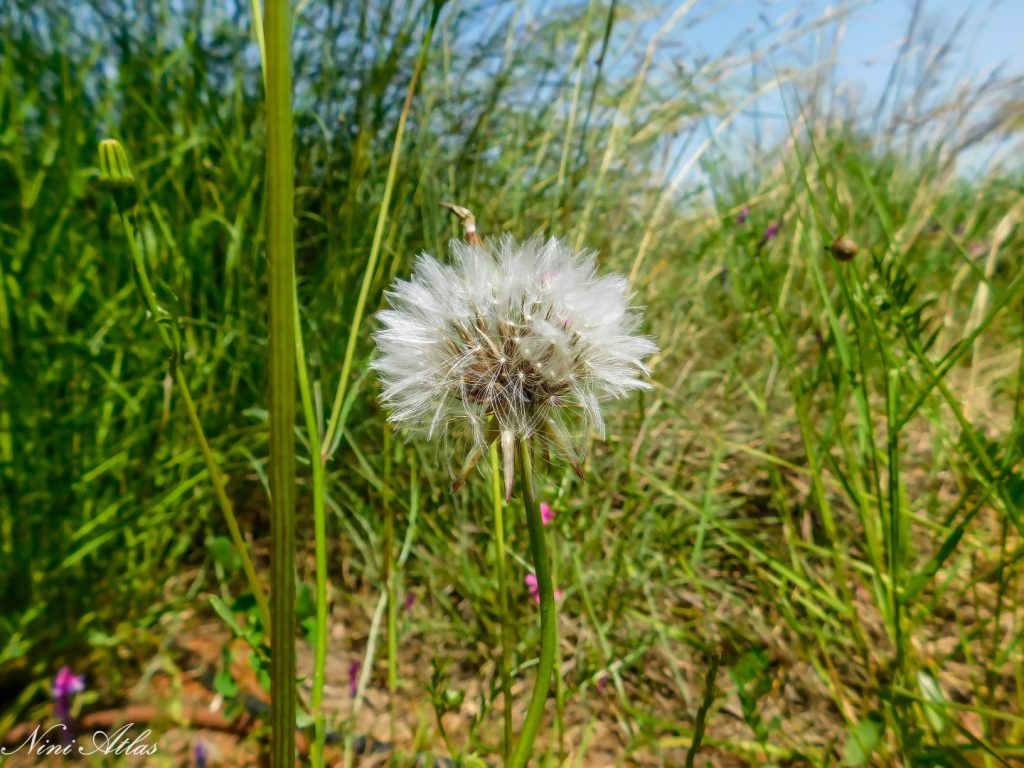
<point x="772" y="232"/>
<point x="200" y="754"/>
<point x="743" y="215"/>
<point x="67" y="683"/>
<point x="353" y="677"/>
<point x="547" y="515"/>
<point x="602" y="683"/>
<point x="410" y="601"/>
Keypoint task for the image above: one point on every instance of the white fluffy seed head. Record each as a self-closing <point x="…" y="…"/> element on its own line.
<point x="518" y="339"/>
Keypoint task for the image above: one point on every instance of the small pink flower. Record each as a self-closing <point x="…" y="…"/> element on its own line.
<point x="547" y="514"/>
<point x="353" y="677"/>
<point x="534" y="588"/>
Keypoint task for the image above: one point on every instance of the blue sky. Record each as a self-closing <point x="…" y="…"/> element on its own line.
<point x="988" y="33"/>
<point x="983" y="38"/>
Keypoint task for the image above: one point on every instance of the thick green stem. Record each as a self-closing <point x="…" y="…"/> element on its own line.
<point x="538" y="549"/>
<point x="506" y="626"/>
<point x="281" y="280"/>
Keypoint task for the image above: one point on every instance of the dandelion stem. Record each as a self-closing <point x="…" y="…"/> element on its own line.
<point x="320" y="536"/>
<point x="506" y="627"/>
<point x="389" y="579"/>
<point x="281" y="317"/>
<point x="169" y="335"/>
<point x="538" y="548"/>
<point x="222" y="498"/>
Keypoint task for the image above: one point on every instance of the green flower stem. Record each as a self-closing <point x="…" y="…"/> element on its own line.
<point x="548" y="639"/>
<point x="389" y="580"/>
<point x="168" y="330"/>
<point x="559" y="683"/>
<point x="281" y="319"/>
<point x="320" y="536"/>
<point x="378" y="238"/>
<point x="506" y="627"/>
<point x="222" y="499"/>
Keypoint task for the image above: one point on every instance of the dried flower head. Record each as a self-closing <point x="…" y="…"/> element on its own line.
<point x="512" y="341"/>
<point x="844" y="248"/>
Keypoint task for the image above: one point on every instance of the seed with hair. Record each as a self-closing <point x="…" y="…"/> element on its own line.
<point x="512" y="340"/>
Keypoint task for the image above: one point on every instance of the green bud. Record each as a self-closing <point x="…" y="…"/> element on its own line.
<point x="116" y="173"/>
<point x="453" y="699"/>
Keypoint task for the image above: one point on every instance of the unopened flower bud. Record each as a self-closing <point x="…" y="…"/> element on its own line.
<point x="116" y="173"/>
<point x="453" y="699"/>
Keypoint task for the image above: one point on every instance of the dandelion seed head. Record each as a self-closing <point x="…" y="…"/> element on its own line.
<point x="511" y="338"/>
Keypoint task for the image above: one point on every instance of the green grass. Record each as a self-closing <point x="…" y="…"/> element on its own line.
<point x="823" y="490"/>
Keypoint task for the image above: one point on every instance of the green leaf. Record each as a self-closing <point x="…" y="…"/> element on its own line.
<point x="225" y="613"/>
<point x="99" y="639"/>
<point x="223" y="682"/>
<point x="935" y="709"/>
<point x="862" y="741"/>
<point x="223" y="553"/>
<point x="305" y="606"/>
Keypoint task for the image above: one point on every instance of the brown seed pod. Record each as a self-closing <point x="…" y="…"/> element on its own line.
<point x="844" y="249"/>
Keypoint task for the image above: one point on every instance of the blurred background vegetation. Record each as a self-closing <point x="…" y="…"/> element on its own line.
<point x="823" y="490"/>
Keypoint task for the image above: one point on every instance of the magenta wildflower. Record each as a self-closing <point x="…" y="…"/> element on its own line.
<point x="65" y="685"/>
<point x="772" y="232"/>
<point x="602" y="683"/>
<point x="534" y="589"/>
<point x="547" y="515"/>
<point x="410" y="601"/>
<point x="353" y="677"/>
<point x="200" y="754"/>
<point x="743" y="215"/>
